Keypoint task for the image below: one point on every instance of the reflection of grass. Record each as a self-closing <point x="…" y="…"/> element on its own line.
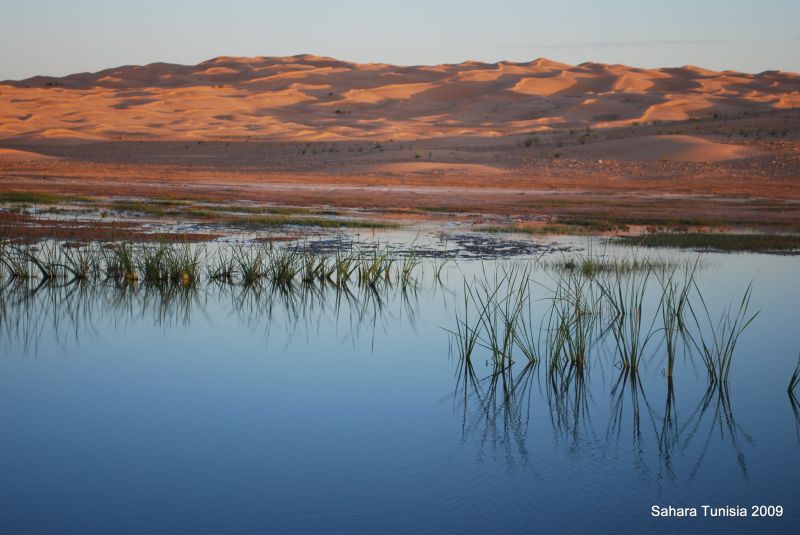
<point x="795" y="380"/>
<point x="716" y="241"/>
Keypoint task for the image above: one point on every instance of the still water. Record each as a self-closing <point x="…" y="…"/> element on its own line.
<point x="227" y="409"/>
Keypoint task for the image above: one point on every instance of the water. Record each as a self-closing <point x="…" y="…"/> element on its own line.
<point x="225" y="410"/>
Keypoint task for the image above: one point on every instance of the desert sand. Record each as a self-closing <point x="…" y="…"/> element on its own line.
<point x="310" y="98"/>
<point x="12" y="155"/>
<point x="517" y="141"/>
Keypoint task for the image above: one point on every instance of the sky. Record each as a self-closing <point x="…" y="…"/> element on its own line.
<point x="58" y="38"/>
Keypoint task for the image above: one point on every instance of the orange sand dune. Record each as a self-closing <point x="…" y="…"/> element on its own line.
<point x="543" y="86"/>
<point x="11" y="155"/>
<point x="310" y="97"/>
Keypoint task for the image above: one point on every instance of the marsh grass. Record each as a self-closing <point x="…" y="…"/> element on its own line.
<point x="623" y="306"/>
<point x="593" y="264"/>
<point x="467" y="331"/>
<point x="82" y="261"/>
<point x="718" y="346"/>
<point x="576" y="305"/>
<point x="33" y="197"/>
<point x="502" y="302"/>
<point x="183" y="263"/>
<point x="583" y="307"/>
<point x="247" y="216"/>
<point x="127" y="262"/>
<point x="16" y="260"/>
<point x="673" y="305"/>
<point x="539" y="230"/>
<point x="316" y="268"/>
<point x="121" y="262"/>
<point x="625" y="295"/>
<point x="45" y="259"/>
<point x="409" y="265"/>
<point x="375" y="265"/>
<point x="284" y="265"/>
<point x="152" y="263"/>
<point x="249" y="261"/>
<point x="33" y="308"/>
<point x="221" y="267"/>
<point x="345" y="265"/>
<point x="490" y="315"/>
<point x="717" y="241"/>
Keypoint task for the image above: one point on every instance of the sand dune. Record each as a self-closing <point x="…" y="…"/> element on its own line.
<point x="310" y="97"/>
<point x="543" y="86"/>
<point x="381" y="93"/>
<point x="668" y="148"/>
<point x="11" y="155"/>
<point x="58" y="136"/>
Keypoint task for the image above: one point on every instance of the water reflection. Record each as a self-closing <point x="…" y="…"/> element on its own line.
<point x="540" y="378"/>
<point x="796" y="412"/>
<point x="662" y="442"/>
<point x="568" y="404"/>
<point x="497" y="408"/>
<point x="31" y="310"/>
<point x="714" y="417"/>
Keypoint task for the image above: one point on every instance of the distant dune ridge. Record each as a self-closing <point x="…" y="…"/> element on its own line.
<point x="312" y="98"/>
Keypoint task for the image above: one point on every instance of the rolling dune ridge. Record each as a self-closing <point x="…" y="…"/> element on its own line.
<point x="312" y="98"/>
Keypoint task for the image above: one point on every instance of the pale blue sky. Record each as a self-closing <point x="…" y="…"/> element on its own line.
<point x="60" y="37"/>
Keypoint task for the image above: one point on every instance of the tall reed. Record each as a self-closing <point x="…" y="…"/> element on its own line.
<point x="625" y="294"/>
<point x="577" y="310"/>
<point x="717" y="348"/>
<point x="673" y="306"/>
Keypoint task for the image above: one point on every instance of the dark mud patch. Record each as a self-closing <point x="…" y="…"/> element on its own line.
<point x="475" y="246"/>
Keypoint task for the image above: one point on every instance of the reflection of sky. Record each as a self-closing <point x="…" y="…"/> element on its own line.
<point x="234" y="421"/>
<point x="68" y="37"/>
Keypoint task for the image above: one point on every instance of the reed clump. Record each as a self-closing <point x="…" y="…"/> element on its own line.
<point x="622" y="308"/>
<point x="126" y="262"/>
<point x="717" y="347"/>
<point x="576" y="306"/>
<point x="673" y="307"/>
<point x="625" y="295"/>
